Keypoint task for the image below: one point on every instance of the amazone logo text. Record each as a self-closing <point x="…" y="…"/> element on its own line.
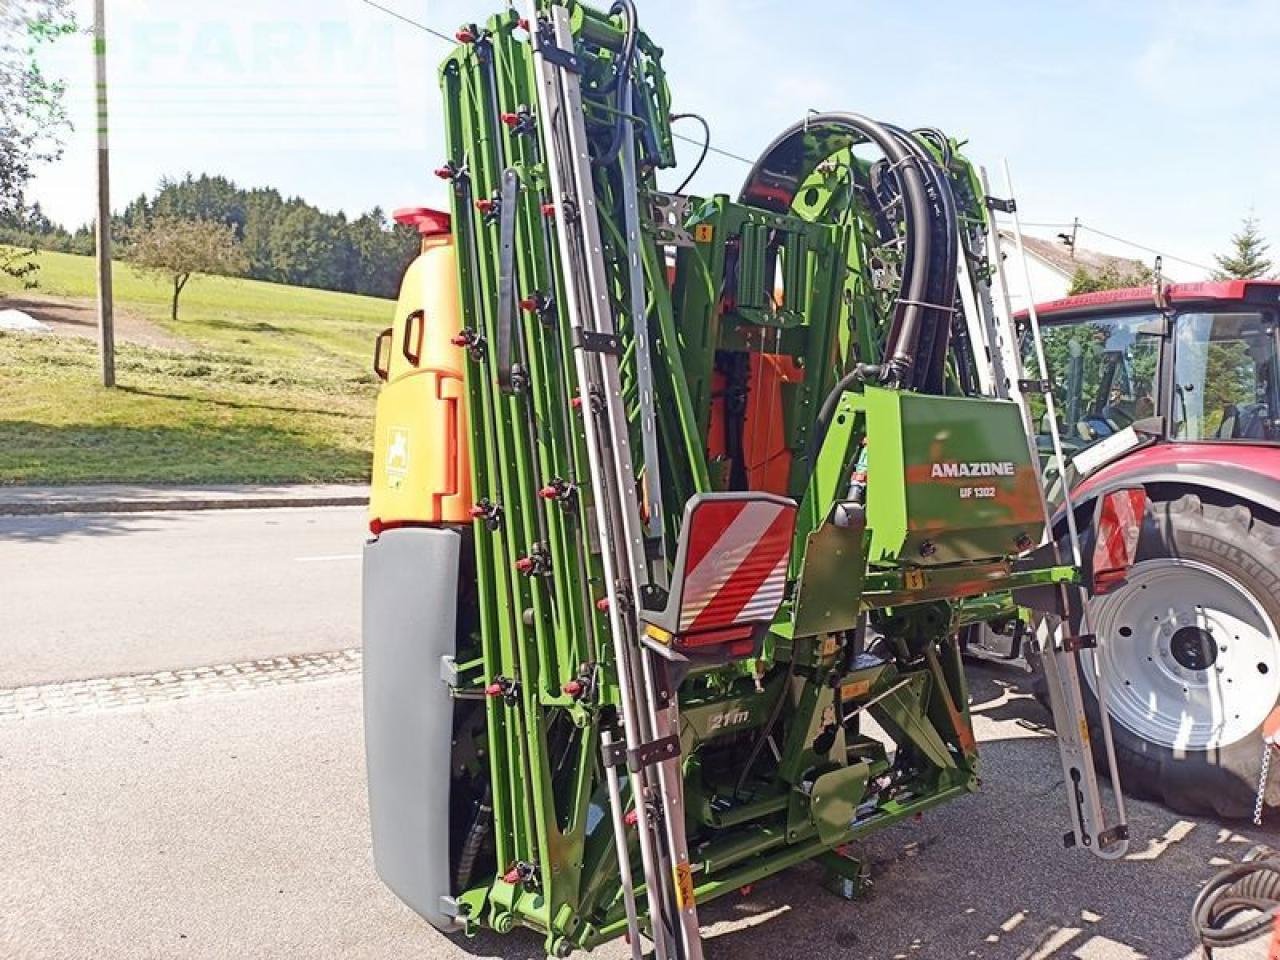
<point x="981" y="468"/>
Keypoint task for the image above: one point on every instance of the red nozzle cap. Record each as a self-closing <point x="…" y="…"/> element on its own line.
<point x="485" y="205"/>
<point x="549" y="492"/>
<point x="465" y="36"/>
<point x="512" y="876"/>
<point x="523" y="24"/>
<point x="460" y="340"/>
<point x="548" y="209"/>
<point x="573" y="689"/>
<point x="444" y="173"/>
<point x="524" y="564"/>
<point x="478" y="511"/>
<point x="576" y="403"/>
<point x="510" y="119"/>
<point x="632" y="818"/>
<point x="603" y="604"/>
<point x="375" y="526"/>
<point x="529" y="305"/>
<point x="493" y="690"/>
<point x="430" y="223"/>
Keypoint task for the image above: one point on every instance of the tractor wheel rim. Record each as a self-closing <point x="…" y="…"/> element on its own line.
<point x="1189" y="658"/>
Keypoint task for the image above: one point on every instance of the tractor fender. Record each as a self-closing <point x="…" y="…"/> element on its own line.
<point x="1243" y="472"/>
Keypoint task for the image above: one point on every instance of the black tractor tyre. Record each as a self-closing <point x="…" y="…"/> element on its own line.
<point x="1221" y="781"/>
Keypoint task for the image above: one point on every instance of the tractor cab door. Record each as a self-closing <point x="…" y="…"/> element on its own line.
<point x="1226" y="376"/>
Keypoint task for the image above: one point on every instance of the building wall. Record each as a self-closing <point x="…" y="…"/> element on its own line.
<point x="1047" y="283"/>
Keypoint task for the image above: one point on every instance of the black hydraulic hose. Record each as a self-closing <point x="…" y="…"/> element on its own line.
<point x="621" y="81"/>
<point x="862" y="373"/>
<point x="1251" y="887"/>
<point x="789" y="160"/>
<point x="628" y="9"/>
<point x="706" y="147"/>
<point x="930" y="370"/>
<point x="474" y="843"/>
<point x="901" y="354"/>
<point x="767" y="730"/>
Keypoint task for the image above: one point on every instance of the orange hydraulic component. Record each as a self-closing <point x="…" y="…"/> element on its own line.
<point x="421" y="458"/>
<point x="764" y="437"/>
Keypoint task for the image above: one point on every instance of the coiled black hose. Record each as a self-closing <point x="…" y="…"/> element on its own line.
<point x="1251" y="887"/>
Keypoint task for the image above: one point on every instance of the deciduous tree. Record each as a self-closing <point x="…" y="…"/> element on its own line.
<point x="33" y="121"/>
<point x="175" y="248"/>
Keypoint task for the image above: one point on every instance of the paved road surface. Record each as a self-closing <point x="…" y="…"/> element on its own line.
<point x="233" y="825"/>
<point x="105" y="594"/>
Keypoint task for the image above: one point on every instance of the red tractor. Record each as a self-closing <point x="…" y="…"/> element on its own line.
<point x="1180" y="392"/>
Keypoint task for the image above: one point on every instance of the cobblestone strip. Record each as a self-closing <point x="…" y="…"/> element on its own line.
<point x="109" y="693"/>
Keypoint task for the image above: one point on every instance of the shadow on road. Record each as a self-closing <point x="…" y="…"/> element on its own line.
<point x="56" y="528"/>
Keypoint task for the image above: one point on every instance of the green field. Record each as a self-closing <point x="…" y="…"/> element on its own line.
<point x="275" y="387"/>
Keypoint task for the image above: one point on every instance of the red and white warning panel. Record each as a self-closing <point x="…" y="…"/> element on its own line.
<point x="731" y="570"/>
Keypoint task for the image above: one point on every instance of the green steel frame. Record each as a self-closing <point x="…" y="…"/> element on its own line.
<point x="854" y="715"/>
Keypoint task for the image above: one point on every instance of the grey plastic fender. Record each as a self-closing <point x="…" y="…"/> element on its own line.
<point x="409" y="624"/>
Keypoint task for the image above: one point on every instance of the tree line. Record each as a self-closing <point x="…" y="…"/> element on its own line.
<point x="282" y="240"/>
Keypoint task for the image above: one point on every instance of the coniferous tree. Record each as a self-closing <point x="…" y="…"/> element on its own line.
<point x="1247" y="259"/>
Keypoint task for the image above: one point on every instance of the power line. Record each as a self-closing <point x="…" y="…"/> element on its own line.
<point x="448" y="39"/>
<point x="410" y="21"/>
<point x="1138" y="246"/>
<point x="723" y="153"/>
<point x="440" y="35"/>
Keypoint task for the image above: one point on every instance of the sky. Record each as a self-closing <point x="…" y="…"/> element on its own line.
<point x="1155" y="121"/>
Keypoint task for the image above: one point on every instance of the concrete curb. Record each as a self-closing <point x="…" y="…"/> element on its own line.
<point x="108" y="498"/>
<point x="151" y="506"/>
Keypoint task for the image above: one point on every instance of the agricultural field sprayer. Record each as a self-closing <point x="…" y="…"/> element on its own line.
<point x="680" y="501"/>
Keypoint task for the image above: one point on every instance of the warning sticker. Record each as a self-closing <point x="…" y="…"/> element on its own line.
<point x="684" y="884"/>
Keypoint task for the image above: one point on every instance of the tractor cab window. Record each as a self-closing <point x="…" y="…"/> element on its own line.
<point x="1104" y="376"/>
<point x="1226" y="385"/>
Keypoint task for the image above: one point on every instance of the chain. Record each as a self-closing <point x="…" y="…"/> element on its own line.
<point x="1260" y="802"/>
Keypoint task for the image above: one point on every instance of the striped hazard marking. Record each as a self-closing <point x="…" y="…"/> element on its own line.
<point x="736" y="563"/>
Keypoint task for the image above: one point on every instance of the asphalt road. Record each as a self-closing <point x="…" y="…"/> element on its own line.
<point x="233" y="825"/>
<point x="92" y="595"/>
<point x="230" y="819"/>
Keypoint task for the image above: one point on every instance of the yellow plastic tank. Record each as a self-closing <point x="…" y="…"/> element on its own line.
<point x="421" y="466"/>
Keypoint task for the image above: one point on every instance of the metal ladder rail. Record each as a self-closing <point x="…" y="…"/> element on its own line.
<point x="658" y="691"/>
<point x="1060" y="654"/>
<point x="616" y="498"/>
<point x="572" y="270"/>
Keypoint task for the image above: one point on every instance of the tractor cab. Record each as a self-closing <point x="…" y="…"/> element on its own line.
<point x="1203" y="367"/>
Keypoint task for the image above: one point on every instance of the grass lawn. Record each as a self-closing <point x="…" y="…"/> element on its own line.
<point x="276" y="386"/>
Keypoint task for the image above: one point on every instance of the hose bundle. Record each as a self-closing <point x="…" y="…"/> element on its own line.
<point x="1249" y="890"/>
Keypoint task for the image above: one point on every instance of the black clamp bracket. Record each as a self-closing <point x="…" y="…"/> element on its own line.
<point x="593" y="342"/>
<point x="1002" y="206"/>
<point x="545" y="43"/>
<point x="645" y="755"/>
<point x="1040" y="386"/>
<point x="1085" y="641"/>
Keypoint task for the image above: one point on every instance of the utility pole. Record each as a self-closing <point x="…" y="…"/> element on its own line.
<point x="106" y="318"/>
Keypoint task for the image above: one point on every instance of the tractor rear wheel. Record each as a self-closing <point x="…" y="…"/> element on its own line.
<point x="1189" y="656"/>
